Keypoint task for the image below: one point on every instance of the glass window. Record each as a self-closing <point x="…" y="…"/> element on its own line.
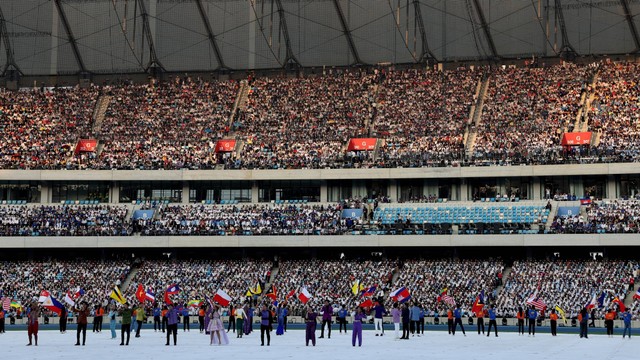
<point x="76" y="191"/>
<point x="151" y="190"/>
<point x="28" y="191"/>
<point x="308" y="190"/>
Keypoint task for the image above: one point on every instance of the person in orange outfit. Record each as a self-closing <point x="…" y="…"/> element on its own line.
<point x="608" y="322"/>
<point x="32" y="322"/>
<point x="553" y="317"/>
<point x="450" y="320"/>
<point x="520" y="317"/>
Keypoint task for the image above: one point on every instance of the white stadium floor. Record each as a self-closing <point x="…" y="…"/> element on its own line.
<point x="435" y="345"/>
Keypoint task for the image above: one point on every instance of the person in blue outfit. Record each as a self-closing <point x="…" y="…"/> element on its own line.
<point x="457" y="315"/>
<point x="406" y="319"/>
<point x="172" y="325"/>
<point x="379" y="312"/>
<point x="532" y="315"/>
<point x="342" y="318"/>
<point x="266" y="322"/>
<point x="358" y="318"/>
<point x="157" y="313"/>
<point x="185" y="319"/>
<point x="311" y="323"/>
<point x="414" y="314"/>
<point x="280" y="313"/>
<point x="327" y="312"/>
<point x="626" y="318"/>
<point x="492" y="321"/>
<point x="112" y="320"/>
<point x="584" y="323"/>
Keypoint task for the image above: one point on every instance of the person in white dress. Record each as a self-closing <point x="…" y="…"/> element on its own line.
<point x="216" y="327"/>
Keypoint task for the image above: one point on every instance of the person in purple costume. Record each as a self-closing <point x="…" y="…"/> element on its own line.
<point x="327" y="311"/>
<point x="358" y="318"/>
<point x="311" y="321"/>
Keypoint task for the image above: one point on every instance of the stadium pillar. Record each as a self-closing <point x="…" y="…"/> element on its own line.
<point x="393" y="190"/>
<point x="464" y="190"/>
<point x="611" y="187"/>
<point x="537" y="192"/>
<point x="185" y="192"/>
<point x="114" y="194"/>
<point x="255" y="192"/>
<point x="45" y="196"/>
<point x="323" y="191"/>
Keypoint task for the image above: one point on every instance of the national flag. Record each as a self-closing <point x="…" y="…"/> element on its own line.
<point x="173" y="289"/>
<point x="44" y="294"/>
<point x="600" y="300"/>
<point x="257" y="290"/>
<point x="561" y="312"/>
<point x="16" y="305"/>
<point x="446" y="298"/>
<point x="140" y="293"/>
<point x="222" y="298"/>
<point x="586" y="201"/>
<point x="366" y="304"/>
<point x="291" y="294"/>
<point x="591" y="304"/>
<point x="370" y="291"/>
<point x="272" y="294"/>
<point x="150" y="296"/>
<point x="536" y="302"/>
<point x="79" y="292"/>
<point x="400" y="295"/>
<point x="304" y="295"/>
<point x="52" y="304"/>
<point x="68" y="298"/>
<point x="248" y="293"/>
<point x="116" y="295"/>
<point x="637" y="295"/>
<point x="167" y="299"/>
<point x="194" y="303"/>
<point x="621" y="307"/>
<point x="6" y="304"/>
<point x="478" y="305"/>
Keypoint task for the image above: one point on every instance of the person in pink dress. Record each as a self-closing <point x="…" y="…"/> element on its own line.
<point x="216" y="327"/>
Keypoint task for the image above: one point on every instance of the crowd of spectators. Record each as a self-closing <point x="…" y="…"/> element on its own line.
<point x="23" y="280"/>
<point x="606" y="216"/>
<point x="570" y="284"/>
<point x="199" y="278"/>
<point x="423" y="114"/>
<point x="254" y="219"/>
<point x="65" y="220"/>
<point x="305" y="122"/>
<point x="463" y="280"/>
<point x="39" y="128"/>
<point x="526" y="111"/>
<point x="168" y="125"/>
<point x="333" y="280"/>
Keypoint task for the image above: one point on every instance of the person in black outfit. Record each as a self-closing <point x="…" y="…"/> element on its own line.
<point x="63" y="320"/>
<point x="125" y="328"/>
<point x="265" y="325"/>
<point x="521" y="316"/>
<point x="232" y="318"/>
<point x="406" y="320"/>
<point x="165" y="325"/>
<point x="201" y="313"/>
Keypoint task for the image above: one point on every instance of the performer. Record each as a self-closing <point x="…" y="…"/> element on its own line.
<point x="201" y="314"/>
<point x="608" y="321"/>
<point x="97" y="319"/>
<point x="172" y="324"/>
<point x="584" y="323"/>
<point x="457" y="314"/>
<point x="232" y="318"/>
<point x="265" y="324"/>
<point x="421" y="321"/>
<point x="327" y="312"/>
<point x="140" y="315"/>
<point x="216" y="327"/>
<point x="626" y="318"/>
<point x="125" y="328"/>
<point x="379" y="311"/>
<point x="480" y="318"/>
<point x="553" y="317"/>
<point x="533" y="315"/>
<point x="112" y="320"/>
<point x="450" y="320"/>
<point x="240" y="316"/>
<point x="247" y="324"/>
<point x="342" y="318"/>
<point x="156" y="318"/>
<point x="357" y="326"/>
<point x="185" y="319"/>
<point x="492" y="321"/>
<point x="415" y="318"/>
<point x="396" y="314"/>
<point x="164" y="312"/>
<point x="32" y="322"/>
<point x="520" y="315"/>
<point x="63" y="320"/>
<point x="310" y="320"/>
<point x="207" y="318"/>
<point x="280" y="314"/>
<point x="406" y="319"/>
<point x="83" y="313"/>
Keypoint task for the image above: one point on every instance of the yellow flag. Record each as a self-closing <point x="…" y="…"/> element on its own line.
<point x="355" y="288"/>
<point x="560" y="312"/>
<point x="117" y="295"/>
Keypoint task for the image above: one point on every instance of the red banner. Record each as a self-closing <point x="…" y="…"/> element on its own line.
<point x="86" y="145"/>
<point x="576" y="138"/>
<point x="225" y="146"/>
<point x="362" y="144"/>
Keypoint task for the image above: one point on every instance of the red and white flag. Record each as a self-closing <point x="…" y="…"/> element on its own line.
<point x="69" y="299"/>
<point x="222" y="298"/>
<point x="536" y="302"/>
<point x="304" y="295"/>
<point x="6" y="304"/>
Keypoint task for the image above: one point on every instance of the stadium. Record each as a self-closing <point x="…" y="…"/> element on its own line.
<point x="286" y="152"/>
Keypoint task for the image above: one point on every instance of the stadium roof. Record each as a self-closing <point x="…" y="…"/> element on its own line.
<point x="46" y="37"/>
